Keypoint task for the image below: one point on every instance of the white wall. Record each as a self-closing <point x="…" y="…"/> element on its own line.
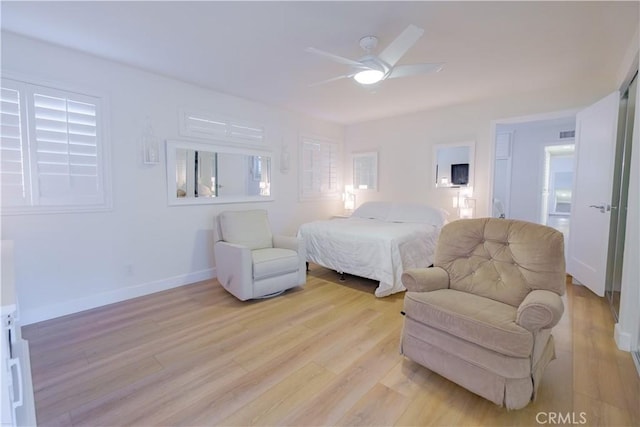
<point x="71" y="262"/>
<point x="405" y="143"/>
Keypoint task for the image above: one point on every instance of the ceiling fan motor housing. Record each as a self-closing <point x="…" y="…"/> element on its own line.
<point x="369" y="43"/>
<point x="375" y="63"/>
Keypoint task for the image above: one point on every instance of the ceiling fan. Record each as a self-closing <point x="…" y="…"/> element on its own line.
<point x="371" y="69"/>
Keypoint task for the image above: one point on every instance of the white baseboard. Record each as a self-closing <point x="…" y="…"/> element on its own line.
<point x="623" y="339"/>
<point x="28" y="317"/>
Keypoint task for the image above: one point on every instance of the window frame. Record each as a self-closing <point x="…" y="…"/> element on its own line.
<point x="34" y="204"/>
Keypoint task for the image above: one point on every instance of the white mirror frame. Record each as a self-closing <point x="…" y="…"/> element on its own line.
<point x="172" y="186"/>
<point x="370" y="158"/>
<point x="468" y="144"/>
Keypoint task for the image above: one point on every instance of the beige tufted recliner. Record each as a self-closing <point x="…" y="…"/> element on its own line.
<point x="482" y="315"/>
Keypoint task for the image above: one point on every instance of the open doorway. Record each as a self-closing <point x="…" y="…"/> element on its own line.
<point x="556" y="188"/>
<point x="533" y="170"/>
<point x="533" y="159"/>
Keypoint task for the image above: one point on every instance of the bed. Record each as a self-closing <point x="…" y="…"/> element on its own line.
<point x="378" y="241"/>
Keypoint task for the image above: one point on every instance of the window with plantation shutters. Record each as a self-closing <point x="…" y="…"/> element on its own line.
<point x="52" y="149"/>
<point x="319" y="169"/>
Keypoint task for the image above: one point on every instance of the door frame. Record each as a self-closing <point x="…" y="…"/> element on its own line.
<point x="627" y="330"/>
<point x="619" y="198"/>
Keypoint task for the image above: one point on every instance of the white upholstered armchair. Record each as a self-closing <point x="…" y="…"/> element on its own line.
<point x="250" y="261"/>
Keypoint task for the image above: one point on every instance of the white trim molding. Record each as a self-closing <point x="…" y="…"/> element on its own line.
<point x="623" y="339"/>
<point x="62" y="309"/>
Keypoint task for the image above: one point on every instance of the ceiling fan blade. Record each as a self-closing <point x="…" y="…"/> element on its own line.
<point x="415" y="69"/>
<point x="336" y="58"/>
<point x="392" y="53"/>
<point x="345" y="76"/>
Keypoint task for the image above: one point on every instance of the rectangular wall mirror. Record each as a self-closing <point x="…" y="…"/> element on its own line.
<point x="201" y="173"/>
<point x="365" y="171"/>
<point x="453" y="164"/>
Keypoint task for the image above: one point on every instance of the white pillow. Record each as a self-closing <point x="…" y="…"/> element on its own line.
<point x="246" y="228"/>
<point x="373" y="210"/>
<point x="418" y="213"/>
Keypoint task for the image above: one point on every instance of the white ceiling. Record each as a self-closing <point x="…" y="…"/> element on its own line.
<point x="255" y="50"/>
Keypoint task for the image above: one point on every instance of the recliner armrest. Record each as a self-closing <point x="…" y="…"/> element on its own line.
<point x="541" y="309"/>
<point x="425" y="279"/>
<point x="294" y="244"/>
<point x="234" y="267"/>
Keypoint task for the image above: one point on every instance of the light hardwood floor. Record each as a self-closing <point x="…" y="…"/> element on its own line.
<point x="324" y="355"/>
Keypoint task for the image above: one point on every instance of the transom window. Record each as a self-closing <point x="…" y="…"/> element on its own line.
<point x="215" y="126"/>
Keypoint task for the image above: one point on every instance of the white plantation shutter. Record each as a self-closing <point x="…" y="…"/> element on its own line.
<point x="319" y="171"/>
<point x="66" y="146"/>
<point x="12" y="155"/>
<point x="250" y="133"/>
<point x="200" y="126"/>
<point x="206" y="125"/>
<point x="62" y="145"/>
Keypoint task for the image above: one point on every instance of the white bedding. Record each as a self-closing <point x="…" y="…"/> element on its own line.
<point x="371" y="248"/>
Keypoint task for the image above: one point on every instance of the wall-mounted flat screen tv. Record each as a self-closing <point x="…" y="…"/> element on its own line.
<point x="460" y="174"/>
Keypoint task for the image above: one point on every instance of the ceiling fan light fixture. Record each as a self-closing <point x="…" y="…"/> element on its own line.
<point x="371" y="68"/>
<point x="368" y="77"/>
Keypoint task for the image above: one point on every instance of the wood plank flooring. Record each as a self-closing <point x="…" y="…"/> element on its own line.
<point x="323" y="355"/>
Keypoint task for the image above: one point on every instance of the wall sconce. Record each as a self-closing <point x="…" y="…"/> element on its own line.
<point x="150" y="145"/>
<point x="464" y="202"/>
<point x="349" y="198"/>
<point x="285" y="159"/>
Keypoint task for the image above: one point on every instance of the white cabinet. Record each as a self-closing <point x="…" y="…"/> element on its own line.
<point x="17" y="406"/>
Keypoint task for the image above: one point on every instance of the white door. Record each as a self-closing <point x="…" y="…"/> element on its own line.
<point x="596" y="129"/>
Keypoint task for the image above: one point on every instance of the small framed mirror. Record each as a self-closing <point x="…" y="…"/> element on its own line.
<point x="201" y="173"/>
<point x="365" y="171"/>
<point x="453" y="164"/>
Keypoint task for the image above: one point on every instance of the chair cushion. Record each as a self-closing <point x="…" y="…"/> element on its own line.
<point x="483" y="321"/>
<point x="246" y="228"/>
<point x="273" y="262"/>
